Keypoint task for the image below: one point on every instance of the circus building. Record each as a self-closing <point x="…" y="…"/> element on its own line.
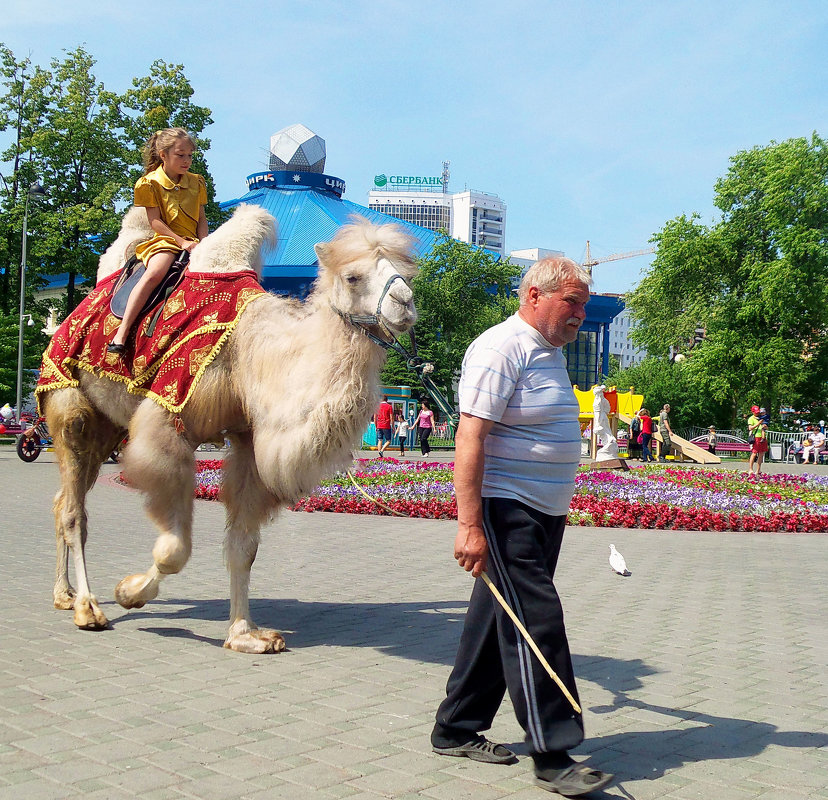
<point x="309" y="207"/>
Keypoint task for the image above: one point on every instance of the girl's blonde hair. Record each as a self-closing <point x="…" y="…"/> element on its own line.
<point x="160" y="142"/>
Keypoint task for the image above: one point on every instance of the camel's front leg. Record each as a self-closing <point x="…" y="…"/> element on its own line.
<point x="70" y="527"/>
<point x="159" y="462"/>
<point x="248" y="504"/>
<point x="81" y="437"/>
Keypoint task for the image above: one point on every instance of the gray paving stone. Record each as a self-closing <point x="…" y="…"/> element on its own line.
<point x="702" y="675"/>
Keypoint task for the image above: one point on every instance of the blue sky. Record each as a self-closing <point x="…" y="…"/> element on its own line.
<point x="591" y="120"/>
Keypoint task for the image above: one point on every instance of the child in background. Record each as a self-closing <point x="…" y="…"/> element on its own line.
<point x="401" y="432"/>
<point x="712" y="439"/>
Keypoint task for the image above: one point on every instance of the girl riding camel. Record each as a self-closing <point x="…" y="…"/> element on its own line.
<point x="175" y="200"/>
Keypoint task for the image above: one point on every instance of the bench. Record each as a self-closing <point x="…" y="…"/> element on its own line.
<point x="794" y="455"/>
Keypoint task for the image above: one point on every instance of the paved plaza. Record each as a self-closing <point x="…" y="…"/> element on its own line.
<point x="703" y="675"/>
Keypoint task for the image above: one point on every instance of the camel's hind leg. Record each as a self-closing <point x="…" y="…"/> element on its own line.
<point x="248" y="505"/>
<point x="82" y="440"/>
<point x="159" y="462"/>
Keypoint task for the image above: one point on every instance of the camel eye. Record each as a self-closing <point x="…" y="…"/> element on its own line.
<point x="352" y="279"/>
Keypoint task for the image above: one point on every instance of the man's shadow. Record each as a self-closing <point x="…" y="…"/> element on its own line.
<point x="638" y="755"/>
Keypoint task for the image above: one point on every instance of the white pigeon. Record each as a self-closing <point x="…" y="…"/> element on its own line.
<point x="617" y="562"/>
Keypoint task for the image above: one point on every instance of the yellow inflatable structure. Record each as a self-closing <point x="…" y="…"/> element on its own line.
<point x="623" y="405"/>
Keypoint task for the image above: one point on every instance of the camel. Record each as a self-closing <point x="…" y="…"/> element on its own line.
<point x="292" y="389"/>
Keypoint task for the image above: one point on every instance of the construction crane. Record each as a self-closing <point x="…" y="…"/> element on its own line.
<point x="590" y="262"/>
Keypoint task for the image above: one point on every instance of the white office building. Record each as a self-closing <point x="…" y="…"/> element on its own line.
<point x="469" y="216"/>
<point x="525" y="258"/>
<point x="620" y="343"/>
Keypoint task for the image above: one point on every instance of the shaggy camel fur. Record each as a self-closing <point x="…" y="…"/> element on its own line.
<point x="292" y="389"/>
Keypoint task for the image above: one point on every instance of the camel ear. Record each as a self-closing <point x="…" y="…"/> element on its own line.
<point x="320" y="249"/>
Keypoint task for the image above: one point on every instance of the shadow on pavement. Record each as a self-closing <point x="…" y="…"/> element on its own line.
<point x="705" y="737"/>
<point x="426" y="631"/>
<point x="429" y="632"/>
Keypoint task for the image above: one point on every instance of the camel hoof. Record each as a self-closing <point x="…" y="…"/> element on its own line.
<point x="88" y="615"/>
<point x="135" y="591"/>
<point x="65" y="599"/>
<point x="257" y="641"/>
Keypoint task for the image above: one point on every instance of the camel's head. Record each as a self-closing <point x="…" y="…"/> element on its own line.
<point x="364" y="272"/>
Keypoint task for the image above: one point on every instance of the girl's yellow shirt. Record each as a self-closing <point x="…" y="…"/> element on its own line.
<point x="180" y="205"/>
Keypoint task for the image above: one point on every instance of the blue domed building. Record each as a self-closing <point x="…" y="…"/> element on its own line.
<point x="309" y="207"/>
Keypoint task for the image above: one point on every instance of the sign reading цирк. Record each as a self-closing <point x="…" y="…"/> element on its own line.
<point x="406" y="180"/>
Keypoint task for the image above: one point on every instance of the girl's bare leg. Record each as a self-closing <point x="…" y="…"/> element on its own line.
<point x="156" y="270"/>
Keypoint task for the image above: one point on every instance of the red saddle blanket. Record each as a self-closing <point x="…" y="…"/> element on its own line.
<point x="191" y="330"/>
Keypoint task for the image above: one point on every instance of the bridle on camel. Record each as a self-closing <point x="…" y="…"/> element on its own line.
<point x="362" y="322"/>
<point x="419" y="366"/>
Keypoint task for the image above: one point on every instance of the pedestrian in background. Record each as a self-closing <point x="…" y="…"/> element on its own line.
<point x="382" y="421"/>
<point x="712" y="438"/>
<point x="646" y="435"/>
<point x="758" y="449"/>
<point x="425" y="425"/>
<point x="633" y="444"/>
<point x="401" y="432"/>
<point x="666" y="433"/>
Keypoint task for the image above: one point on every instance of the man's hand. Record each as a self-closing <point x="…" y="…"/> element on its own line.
<point x="470" y="549"/>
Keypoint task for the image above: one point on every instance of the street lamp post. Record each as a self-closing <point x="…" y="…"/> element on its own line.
<point x="36" y="190"/>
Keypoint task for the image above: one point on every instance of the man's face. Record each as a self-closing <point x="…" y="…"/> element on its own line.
<point x="558" y="315"/>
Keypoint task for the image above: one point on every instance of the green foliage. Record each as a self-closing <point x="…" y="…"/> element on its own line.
<point x="460" y="291"/>
<point x="22" y="109"/>
<point x="661" y="381"/>
<point x="755" y="281"/>
<point x="34" y="343"/>
<point x="61" y="127"/>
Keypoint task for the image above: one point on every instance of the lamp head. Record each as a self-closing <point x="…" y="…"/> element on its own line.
<point x="36" y="190"/>
<point x="30" y="323"/>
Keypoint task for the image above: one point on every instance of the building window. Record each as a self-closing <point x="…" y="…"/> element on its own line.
<point x="582" y="359"/>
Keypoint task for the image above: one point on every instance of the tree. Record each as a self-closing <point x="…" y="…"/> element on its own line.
<point x="460" y="291"/>
<point x="79" y="154"/>
<point x="162" y="99"/>
<point x="34" y="343"/>
<point x="754" y="282"/>
<point x="22" y="108"/>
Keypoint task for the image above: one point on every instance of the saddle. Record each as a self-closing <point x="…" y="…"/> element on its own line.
<point x="132" y="272"/>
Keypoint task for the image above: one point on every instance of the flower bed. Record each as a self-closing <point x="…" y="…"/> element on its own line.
<point x="669" y="498"/>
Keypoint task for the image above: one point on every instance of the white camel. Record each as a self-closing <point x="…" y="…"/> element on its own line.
<point x="292" y="389"/>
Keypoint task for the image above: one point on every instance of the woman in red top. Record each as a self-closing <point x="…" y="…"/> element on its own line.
<point x="646" y="435"/>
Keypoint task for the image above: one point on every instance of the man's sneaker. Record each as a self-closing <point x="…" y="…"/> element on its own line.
<point x="479" y="749"/>
<point x="572" y="781"/>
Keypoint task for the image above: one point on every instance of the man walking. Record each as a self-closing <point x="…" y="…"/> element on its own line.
<point x="517" y="449"/>
<point x="666" y="433"/>
<point x="382" y="421"/>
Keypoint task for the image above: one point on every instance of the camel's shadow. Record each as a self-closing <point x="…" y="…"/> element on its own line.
<point x="426" y="631"/>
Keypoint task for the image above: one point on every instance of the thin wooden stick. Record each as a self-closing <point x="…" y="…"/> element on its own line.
<point x="530" y="641"/>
